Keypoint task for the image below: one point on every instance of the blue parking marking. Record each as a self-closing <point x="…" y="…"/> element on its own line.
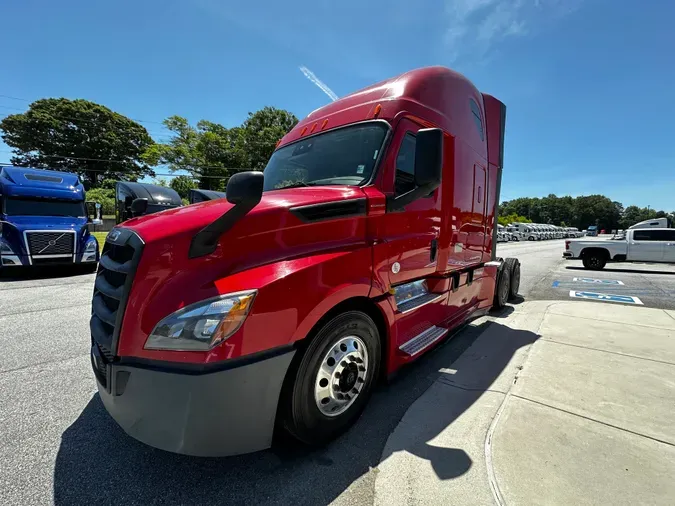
<point x="606" y="297"/>
<point x="599" y="281"/>
<point x="555" y="284"/>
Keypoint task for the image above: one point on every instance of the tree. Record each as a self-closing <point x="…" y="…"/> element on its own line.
<point x="512" y="218"/>
<point x="211" y="153"/>
<point x="261" y="132"/>
<point x="183" y="185"/>
<point x="78" y="136"/>
<point x="105" y="197"/>
<point x="208" y="151"/>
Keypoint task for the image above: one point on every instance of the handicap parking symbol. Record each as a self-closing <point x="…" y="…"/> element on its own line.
<point x="604" y="297"/>
<point x="598" y="281"/>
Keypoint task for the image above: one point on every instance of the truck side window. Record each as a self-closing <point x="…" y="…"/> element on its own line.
<point x="644" y="235"/>
<point x="664" y="235"/>
<point x="405" y="165"/>
<point x="475" y="112"/>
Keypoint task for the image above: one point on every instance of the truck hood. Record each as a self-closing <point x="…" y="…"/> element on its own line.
<point x="265" y="217"/>
<point x="46" y="222"/>
<point x="273" y="232"/>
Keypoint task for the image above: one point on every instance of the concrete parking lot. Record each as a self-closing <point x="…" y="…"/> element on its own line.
<point x="58" y="445"/>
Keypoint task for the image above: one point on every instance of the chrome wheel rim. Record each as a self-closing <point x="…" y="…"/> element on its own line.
<point x="341" y="376"/>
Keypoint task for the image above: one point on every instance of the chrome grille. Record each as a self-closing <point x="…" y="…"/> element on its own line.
<point x="50" y="243"/>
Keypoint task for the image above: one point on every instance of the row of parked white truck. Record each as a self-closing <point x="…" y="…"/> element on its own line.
<point x="535" y="232"/>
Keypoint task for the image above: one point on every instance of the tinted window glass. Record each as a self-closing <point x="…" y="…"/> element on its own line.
<point x="346" y="156"/>
<point x="665" y="235"/>
<point x="644" y="235"/>
<point x="405" y="165"/>
<point x="44" y="207"/>
<point x="475" y="112"/>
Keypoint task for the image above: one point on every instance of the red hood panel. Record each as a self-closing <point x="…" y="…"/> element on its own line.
<point x="192" y="218"/>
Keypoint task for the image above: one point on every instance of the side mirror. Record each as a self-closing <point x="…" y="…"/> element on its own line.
<point x="94" y="214"/>
<point x="138" y="207"/>
<point x="245" y="188"/>
<point x="428" y="157"/>
<point x="428" y="168"/>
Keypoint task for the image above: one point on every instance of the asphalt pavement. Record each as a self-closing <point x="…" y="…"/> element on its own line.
<point x="58" y="445"/>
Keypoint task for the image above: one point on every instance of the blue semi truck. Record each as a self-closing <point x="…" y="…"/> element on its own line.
<point x="44" y="219"/>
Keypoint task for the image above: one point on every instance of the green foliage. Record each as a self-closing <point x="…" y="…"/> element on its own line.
<point x="211" y="152"/>
<point x="105" y="197"/>
<point x="511" y="218"/>
<point x="78" y="136"/>
<point x="183" y="185"/>
<point x="262" y="130"/>
<point x="579" y="212"/>
<point x="634" y="214"/>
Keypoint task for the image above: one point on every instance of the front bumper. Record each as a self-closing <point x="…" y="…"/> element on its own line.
<point x="208" y="414"/>
<point x="25" y="260"/>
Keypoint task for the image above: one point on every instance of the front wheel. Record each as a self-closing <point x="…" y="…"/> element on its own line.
<point x="327" y="391"/>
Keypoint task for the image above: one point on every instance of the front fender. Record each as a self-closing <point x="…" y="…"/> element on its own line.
<point x="292" y="296"/>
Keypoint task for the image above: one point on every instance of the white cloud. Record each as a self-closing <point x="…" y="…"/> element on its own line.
<point x="475" y="26"/>
<point x="322" y="86"/>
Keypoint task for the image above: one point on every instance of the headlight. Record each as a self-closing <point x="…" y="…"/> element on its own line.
<point x="91" y="246"/>
<point x="4" y="248"/>
<point x="203" y="325"/>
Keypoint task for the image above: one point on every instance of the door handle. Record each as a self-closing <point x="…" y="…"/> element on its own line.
<point x="434" y="249"/>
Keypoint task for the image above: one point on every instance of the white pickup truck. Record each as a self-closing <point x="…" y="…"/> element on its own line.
<point x="639" y="245"/>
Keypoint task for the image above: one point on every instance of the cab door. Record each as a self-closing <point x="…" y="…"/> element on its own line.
<point x="412" y="236"/>
<point x="669" y="247"/>
<point x="412" y="233"/>
<point x="644" y="246"/>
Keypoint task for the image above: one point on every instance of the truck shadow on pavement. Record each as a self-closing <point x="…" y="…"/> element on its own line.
<point x="98" y="463"/>
<point x="626" y="271"/>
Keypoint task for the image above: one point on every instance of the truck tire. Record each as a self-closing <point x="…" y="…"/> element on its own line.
<point x="594" y="260"/>
<point x="327" y="390"/>
<point x="513" y="265"/>
<point x="503" y="288"/>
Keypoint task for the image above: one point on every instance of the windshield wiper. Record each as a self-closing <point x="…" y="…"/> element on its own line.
<point x="297" y="184"/>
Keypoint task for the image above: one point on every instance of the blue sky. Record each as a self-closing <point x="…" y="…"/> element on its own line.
<point x="588" y="83"/>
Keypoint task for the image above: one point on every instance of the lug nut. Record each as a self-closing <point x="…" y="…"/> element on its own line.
<point x="355" y="391"/>
<point x="362" y="369"/>
<point x="360" y="380"/>
<point x="359" y="361"/>
<point x="337" y="374"/>
<point x="348" y="397"/>
<point x="340" y="396"/>
<point x="344" y="363"/>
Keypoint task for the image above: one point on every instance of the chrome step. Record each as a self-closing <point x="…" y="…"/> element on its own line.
<point x="415" y="302"/>
<point x="423" y="340"/>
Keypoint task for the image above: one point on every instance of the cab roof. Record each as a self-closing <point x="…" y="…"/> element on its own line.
<point x="438" y="94"/>
<point x="30" y="182"/>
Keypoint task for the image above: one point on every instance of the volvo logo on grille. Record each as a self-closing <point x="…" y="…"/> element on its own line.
<point x="52" y="242"/>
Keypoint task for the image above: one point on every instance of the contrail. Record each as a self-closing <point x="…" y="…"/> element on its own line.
<point x="310" y="75"/>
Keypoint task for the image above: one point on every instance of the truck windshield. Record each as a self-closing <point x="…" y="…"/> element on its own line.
<point x="346" y="156"/>
<point x="44" y="207"/>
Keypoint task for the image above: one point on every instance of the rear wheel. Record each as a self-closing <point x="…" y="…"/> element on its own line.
<point x="332" y="382"/>
<point x="594" y="260"/>
<point x="503" y="288"/>
<point x="513" y="265"/>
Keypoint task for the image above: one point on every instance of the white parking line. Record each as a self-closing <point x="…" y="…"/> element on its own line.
<point x="606" y="297"/>
<point x="598" y="281"/>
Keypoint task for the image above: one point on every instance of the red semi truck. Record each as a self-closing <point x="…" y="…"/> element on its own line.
<point x="366" y="240"/>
